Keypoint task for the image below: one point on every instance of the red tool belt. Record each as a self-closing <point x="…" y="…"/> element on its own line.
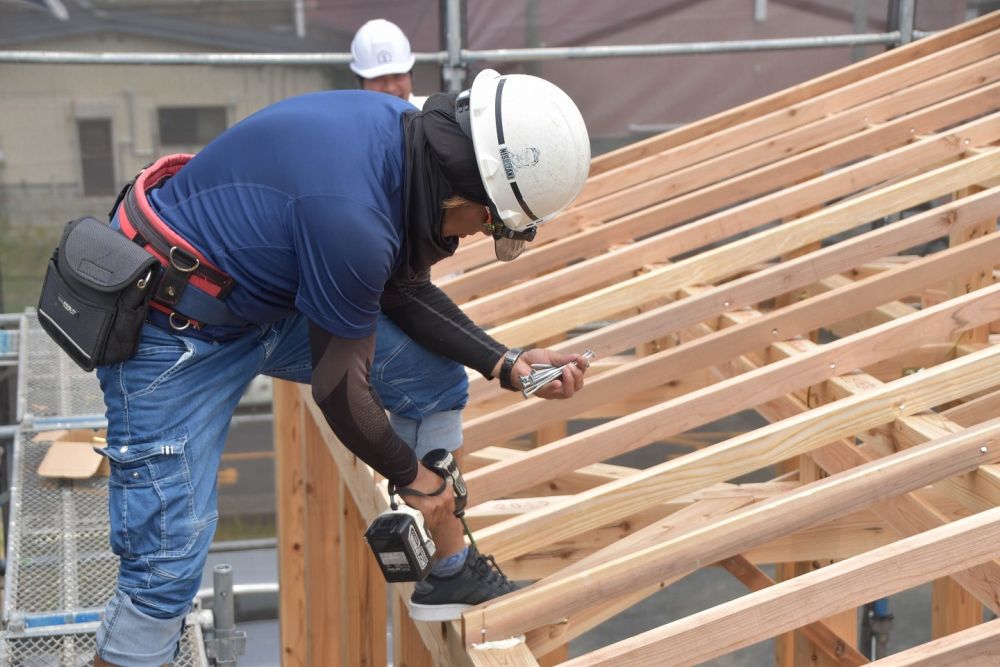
<point x="183" y="265"/>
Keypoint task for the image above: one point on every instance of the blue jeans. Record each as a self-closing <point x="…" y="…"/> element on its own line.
<point x="423" y="392"/>
<point x="168" y="412"/>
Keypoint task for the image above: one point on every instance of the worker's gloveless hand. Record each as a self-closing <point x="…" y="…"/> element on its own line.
<point x="572" y="377"/>
<point x="436" y="509"/>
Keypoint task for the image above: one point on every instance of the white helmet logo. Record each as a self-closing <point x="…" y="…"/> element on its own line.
<point x="526" y="157"/>
<point x="384" y="57"/>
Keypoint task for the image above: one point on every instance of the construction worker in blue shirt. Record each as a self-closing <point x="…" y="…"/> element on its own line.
<point x="324" y="210"/>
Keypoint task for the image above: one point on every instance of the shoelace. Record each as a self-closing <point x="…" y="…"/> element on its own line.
<point x="492" y="571"/>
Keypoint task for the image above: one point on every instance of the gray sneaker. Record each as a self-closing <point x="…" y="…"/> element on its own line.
<point x="445" y="598"/>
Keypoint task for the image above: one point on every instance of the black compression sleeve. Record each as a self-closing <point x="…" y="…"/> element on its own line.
<point x="341" y="388"/>
<point x="427" y="315"/>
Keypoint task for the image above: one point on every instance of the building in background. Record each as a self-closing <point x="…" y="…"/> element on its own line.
<point x="71" y="135"/>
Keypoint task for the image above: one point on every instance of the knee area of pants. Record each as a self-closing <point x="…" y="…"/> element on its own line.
<point x="158" y="592"/>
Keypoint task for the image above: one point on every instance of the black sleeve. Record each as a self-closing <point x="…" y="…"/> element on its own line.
<point x="343" y="391"/>
<point x="427" y="315"/>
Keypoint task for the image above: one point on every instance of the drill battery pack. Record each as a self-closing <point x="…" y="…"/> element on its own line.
<point x="401" y="546"/>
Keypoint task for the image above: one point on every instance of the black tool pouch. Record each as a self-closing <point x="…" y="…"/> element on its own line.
<point x="95" y="293"/>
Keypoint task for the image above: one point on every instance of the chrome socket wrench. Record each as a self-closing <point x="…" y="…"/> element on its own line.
<point x="542" y="374"/>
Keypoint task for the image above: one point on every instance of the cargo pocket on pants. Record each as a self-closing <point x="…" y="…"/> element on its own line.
<point x="151" y="499"/>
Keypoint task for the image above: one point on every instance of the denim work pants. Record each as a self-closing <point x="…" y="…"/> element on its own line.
<point x="169" y="409"/>
<point x="423" y="392"/>
<point x="168" y="412"/>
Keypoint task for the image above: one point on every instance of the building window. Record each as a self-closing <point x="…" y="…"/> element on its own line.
<point x="96" y="157"/>
<point x="190" y="126"/>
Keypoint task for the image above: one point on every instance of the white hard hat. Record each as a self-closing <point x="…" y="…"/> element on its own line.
<point x="379" y="47"/>
<point x="532" y="150"/>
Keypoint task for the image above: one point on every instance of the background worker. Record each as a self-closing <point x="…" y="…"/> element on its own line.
<point x="383" y="61"/>
<point x="423" y="392"/>
<point x="324" y="209"/>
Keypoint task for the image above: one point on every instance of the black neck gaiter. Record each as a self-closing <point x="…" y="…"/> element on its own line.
<point x="440" y="163"/>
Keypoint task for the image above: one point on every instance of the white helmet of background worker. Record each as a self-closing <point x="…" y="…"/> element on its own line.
<point x="532" y="150"/>
<point x="379" y="47"/>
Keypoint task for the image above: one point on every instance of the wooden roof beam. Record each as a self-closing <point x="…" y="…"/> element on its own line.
<point x="549" y="600"/>
<point x="749" y="290"/>
<point x="842" y="77"/>
<point x="977" y="491"/>
<point x="782" y="122"/>
<point x="761" y="128"/>
<point x="656" y="369"/>
<point x="837" y="650"/>
<point x="727" y="260"/>
<point x="908" y="514"/>
<point x="724" y="398"/>
<point x="579" y="621"/>
<point x="588" y="238"/>
<point x="503" y="303"/>
<point x="834" y="588"/>
<point x="975" y="647"/>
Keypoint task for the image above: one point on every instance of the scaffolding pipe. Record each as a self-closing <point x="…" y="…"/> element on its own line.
<point x="465" y="55"/>
<point x="139" y="58"/>
<point x="682" y="49"/>
<point x="760" y="10"/>
<point x="905" y="19"/>
<point x="227" y="643"/>
<point x="453" y="69"/>
<point x="224" y="546"/>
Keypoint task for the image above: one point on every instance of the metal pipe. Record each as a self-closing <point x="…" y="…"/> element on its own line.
<point x="223" y="606"/>
<point x="905" y="19"/>
<point x="266" y="588"/>
<point x="860" y="24"/>
<point x="226" y="642"/>
<point x="450" y="59"/>
<point x="100" y="421"/>
<point x="453" y="70"/>
<point x="690" y="48"/>
<point x="243" y="545"/>
<point x="20" y="408"/>
<point x="133" y="58"/>
<point x="11" y="528"/>
<point x="300" y="18"/>
<point x="759" y="10"/>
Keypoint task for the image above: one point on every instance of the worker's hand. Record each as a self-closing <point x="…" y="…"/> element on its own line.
<point x="572" y="377"/>
<point x="436" y="509"/>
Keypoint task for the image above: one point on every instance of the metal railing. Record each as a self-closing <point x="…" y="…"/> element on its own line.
<point x="454" y="60"/>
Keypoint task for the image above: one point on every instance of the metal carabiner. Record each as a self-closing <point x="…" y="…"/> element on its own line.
<point x="183" y="269"/>
<point x="145" y="281"/>
<point x="177" y="327"/>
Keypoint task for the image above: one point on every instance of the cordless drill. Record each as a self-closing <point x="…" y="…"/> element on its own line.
<point x="403" y="548"/>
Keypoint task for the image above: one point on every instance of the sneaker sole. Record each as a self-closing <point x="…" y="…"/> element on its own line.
<point x="437" y="612"/>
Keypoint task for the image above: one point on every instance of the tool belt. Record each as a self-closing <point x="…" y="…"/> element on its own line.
<point x="101" y="285"/>
<point x="190" y="289"/>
